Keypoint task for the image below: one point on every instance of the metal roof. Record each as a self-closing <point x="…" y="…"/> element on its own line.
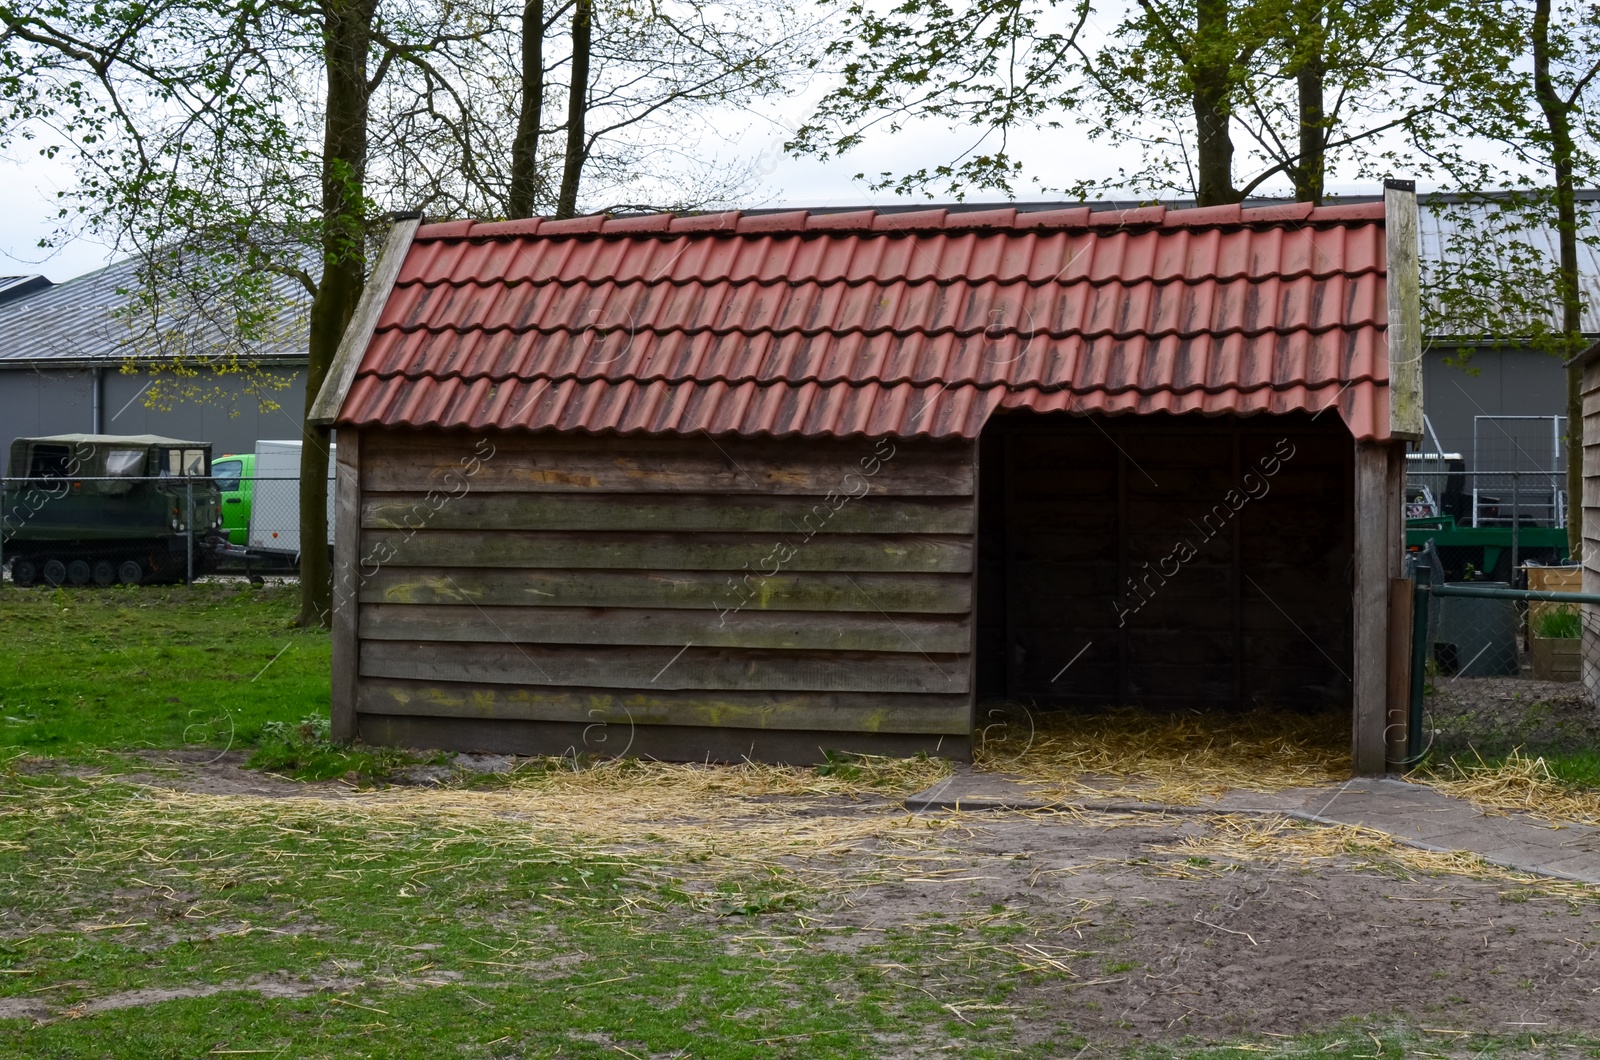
<point x="905" y="323"/>
<point x="14" y="287"/>
<point x="76" y="324"/>
<point x="1455" y="228"/>
<point x="115" y="439"/>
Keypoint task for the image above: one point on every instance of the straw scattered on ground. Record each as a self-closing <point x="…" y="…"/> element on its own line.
<point x="1250" y="838"/>
<point x="1519" y="784"/>
<point x="1181" y="758"/>
<point x="722" y="819"/>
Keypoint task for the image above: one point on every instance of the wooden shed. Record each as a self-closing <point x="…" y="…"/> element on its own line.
<point x="770" y="485"/>
<point x="1587" y="365"/>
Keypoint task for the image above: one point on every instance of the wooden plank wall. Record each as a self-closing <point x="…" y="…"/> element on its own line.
<point x="1097" y="609"/>
<point x="1590" y="513"/>
<point x="681" y="598"/>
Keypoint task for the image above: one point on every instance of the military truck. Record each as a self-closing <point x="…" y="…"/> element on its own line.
<point x="82" y="508"/>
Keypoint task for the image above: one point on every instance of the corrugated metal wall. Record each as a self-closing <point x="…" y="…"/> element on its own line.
<point x="44" y="401"/>
<point x="675" y="597"/>
<point x="1502" y="383"/>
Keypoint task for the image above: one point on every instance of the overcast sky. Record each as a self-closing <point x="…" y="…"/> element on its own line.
<point x="1057" y="157"/>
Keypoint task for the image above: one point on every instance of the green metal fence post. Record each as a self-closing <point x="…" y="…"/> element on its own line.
<point x="1421" y="599"/>
<point x="188" y="528"/>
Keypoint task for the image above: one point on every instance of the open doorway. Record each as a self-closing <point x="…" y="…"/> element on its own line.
<point x="1168" y="562"/>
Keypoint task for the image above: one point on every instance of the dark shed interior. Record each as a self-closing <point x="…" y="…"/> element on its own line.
<point x="1165" y="561"/>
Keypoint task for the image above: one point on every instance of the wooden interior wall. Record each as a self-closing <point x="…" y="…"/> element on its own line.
<point x="674" y="597"/>
<point x="1089" y="595"/>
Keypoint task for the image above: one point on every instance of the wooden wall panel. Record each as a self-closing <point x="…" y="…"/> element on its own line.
<point x="835" y="631"/>
<point x="423" y="460"/>
<point x="822" y="711"/>
<point x="702" y="590"/>
<point x="667" y="668"/>
<point x="874" y="514"/>
<point x="1589" y="513"/>
<point x="521" y="585"/>
<point x="695" y="743"/>
<point x="644" y="550"/>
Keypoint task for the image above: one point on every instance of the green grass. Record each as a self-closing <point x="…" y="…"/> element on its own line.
<point x="423" y="939"/>
<point x="1578" y="768"/>
<point x="1561" y="623"/>
<point x="305" y="751"/>
<point x="137" y="668"/>
<point x="286" y="929"/>
<point x="141" y="923"/>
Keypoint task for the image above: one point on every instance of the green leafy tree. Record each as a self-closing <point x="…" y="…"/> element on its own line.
<point x="1540" y="119"/>
<point x="1218" y="99"/>
<point x="232" y="143"/>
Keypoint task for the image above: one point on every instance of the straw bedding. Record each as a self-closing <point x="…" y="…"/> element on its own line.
<point x="1520" y="784"/>
<point x="1181" y="758"/>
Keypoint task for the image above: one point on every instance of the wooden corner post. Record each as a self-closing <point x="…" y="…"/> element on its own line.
<point x="1404" y="296"/>
<point x="346" y="584"/>
<point x="1370" y="655"/>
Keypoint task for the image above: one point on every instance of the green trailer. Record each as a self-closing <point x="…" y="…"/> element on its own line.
<point x="82" y="508"/>
<point x="1486" y="548"/>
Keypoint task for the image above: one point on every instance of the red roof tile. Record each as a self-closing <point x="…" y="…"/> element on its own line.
<point x="909" y="323"/>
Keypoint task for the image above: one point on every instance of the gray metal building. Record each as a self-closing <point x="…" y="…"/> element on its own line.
<point x="1467" y="377"/>
<point x="71" y="361"/>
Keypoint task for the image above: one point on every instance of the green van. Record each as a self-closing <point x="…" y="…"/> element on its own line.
<point x="235" y="475"/>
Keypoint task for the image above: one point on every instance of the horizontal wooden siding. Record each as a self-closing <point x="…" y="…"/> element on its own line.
<point x="682" y="597"/>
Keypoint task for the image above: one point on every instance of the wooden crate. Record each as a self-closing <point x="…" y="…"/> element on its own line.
<point x="1555" y="658"/>
<point x="1551" y="580"/>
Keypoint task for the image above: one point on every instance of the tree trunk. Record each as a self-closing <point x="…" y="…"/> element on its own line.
<point x="577" y="108"/>
<point x="1310" y="73"/>
<point x="1558" y="118"/>
<point x="346" y="38"/>
<point x="525" y="148"/>
<point x="1212" y="75"/>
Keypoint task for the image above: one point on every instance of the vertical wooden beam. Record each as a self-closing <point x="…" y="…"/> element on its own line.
<point x="973" y="585"/>
<point x="1404" y="295"/>
<point x="1014" y="590"/>
<point x="1370" y="655"/>
<point x="1401" y="601"/>
<point x="1123" y="574"/>
<point x="1237" y="578"/>
<point x="346" y="583"/>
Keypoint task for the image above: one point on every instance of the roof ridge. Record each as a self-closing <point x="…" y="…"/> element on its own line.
<point x="965" y="280"/>
<point x="870" y="221"/>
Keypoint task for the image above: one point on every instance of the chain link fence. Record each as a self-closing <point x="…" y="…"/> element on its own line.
<point x="67" y="531"/>
<point x="1501" y="668"/>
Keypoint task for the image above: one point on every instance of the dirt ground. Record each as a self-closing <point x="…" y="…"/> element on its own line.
<point x="1495" y="715"/>
<point x="1165" y="946"/>
<point x="1162" y="936"/>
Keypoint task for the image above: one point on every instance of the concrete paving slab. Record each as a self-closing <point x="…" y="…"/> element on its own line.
<point x="1413" y="814"/>
<point x="1423" y="817"/>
